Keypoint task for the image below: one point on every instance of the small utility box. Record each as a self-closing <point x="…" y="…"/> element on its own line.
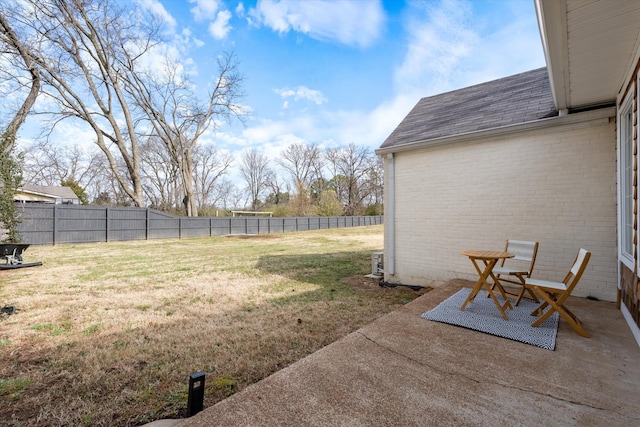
<point x="377" y="266"/>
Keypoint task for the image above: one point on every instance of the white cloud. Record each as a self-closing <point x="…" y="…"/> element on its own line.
<point x="155" y="7"/>
<point x="302" y="93"/>
<point x="506" y="50"/>
<point x="440" y="38"/>
<point x="197" y="42"/>
<point x="205" y="9"/>
<point x="70" y="132"/>
<point x="345" y="22"/>
<point x="240" y="10"/>
<point x="183" y="40"/>
<point x="212" y="10"/>
<point x="325" y="128"/>
<point x="273" y="132"/>
<point x="450" y="48"/>
<point x="371" y="128"/>
<point x="220" y="28"/>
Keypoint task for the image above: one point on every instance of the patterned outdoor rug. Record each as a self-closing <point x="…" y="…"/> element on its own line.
<point x="483" y="315"/>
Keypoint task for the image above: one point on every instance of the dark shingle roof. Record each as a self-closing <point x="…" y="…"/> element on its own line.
<point x="516" y="99"/>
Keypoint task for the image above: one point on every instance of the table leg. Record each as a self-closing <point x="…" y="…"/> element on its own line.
<point x="482" y="281"/>
<point x="503" y="293"/>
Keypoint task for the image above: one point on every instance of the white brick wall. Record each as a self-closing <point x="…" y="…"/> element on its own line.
<point x="558" y="188"/>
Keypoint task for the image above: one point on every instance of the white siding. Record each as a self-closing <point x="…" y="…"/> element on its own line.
<point x="558" y="188"/>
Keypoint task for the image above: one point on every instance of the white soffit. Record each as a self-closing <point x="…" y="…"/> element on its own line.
<point x="589" y="45"/>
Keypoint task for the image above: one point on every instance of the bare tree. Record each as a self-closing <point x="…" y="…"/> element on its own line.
<point x="45" y="164"/>
<point x="303" y="162"/>
<point x="85" y="52"/>
<point x="278" y="186"/>
<point x="350" y="166"/>
<point x="209" y="166"/>
<point x="255" y="170"/>
<point x="13" y="51"/>
<point x="179" y="119"/>
<point x="160" y="175"/>
<point x="93" y="57"/>
<point x="375" y="183"/>
<point x="17" y="71"/>
<point x="229" y="196"/>
<point x="107" y="184"/>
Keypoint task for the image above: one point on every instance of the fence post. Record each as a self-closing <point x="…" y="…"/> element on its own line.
<point x="147" y="224"/>
<point x="107" y="225"/>
<point x="55" y="224"/>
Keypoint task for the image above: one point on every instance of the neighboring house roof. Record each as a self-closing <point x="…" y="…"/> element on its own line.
<point x="508" y="101"/>
<point x="46" y="193"/>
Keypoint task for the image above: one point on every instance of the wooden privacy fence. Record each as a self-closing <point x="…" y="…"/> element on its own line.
<point x="47" y="224"/>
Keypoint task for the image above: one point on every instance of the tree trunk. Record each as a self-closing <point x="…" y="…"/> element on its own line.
<point x="21" y="115"/>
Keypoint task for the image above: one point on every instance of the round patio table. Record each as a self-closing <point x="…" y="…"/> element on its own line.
<point x="489" y="259"/>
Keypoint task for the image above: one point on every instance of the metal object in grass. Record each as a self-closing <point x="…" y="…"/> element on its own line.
<point x="8" y="310"/>
<point x="12" y="253"/>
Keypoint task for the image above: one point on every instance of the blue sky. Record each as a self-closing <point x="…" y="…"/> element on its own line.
<point x="341" y="72"/>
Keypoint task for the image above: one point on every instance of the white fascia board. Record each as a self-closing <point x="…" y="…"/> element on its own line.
<point x="631" y="72"/>
<point x="552" y="22"/>
<point x="36" y="193"/>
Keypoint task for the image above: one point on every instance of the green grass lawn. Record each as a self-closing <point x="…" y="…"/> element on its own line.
<point x="108" y="334"/>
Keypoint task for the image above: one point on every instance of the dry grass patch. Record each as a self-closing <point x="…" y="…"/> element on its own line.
<point x="107" y="334"/>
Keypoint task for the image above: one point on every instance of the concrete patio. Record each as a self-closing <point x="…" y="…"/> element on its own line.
<point x="404" y="370"/>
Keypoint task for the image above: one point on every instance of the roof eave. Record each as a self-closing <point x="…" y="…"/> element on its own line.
<point x="36" y="193"/>
<point x="584" y="119"/>
<point x="50" y="195"/>
<point x="552" y="22"/>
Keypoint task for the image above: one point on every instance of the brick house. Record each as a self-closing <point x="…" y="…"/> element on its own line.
<point x="547" y="155"/>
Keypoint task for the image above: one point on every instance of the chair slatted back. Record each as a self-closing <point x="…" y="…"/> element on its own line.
<point x="578" y="267"/>
<point x="524" y="251"/>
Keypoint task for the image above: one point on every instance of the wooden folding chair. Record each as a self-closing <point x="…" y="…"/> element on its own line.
<point x="555" y="294"/>
<point x="519" y="268"/>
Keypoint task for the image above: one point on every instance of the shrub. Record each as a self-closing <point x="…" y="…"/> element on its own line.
<point x="10" y="179"/>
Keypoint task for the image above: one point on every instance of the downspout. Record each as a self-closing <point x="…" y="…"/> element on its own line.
<point x="390" y="215"/>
